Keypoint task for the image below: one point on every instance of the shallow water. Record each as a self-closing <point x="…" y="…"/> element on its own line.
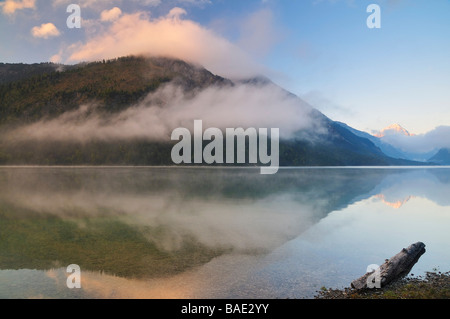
<point x="213" y="233"/>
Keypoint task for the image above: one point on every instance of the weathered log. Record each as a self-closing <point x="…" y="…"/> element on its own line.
<point x="393" y="269"/>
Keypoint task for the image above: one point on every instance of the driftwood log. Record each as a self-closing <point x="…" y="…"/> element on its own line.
<point x="393" y="269"/>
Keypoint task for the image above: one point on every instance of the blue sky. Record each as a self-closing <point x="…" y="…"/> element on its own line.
<point x="321" y="50"/>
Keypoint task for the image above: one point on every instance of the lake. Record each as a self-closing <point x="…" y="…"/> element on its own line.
<point x="163" y="233"/>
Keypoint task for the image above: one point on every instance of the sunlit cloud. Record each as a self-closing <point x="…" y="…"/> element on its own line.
<point x="45" y="30"/>
<point x="111" y="15"/>
<point x="9" y="7"/>
<point x="170" y="35"/>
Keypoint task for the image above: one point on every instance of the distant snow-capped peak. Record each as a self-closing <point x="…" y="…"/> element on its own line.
<point x="393" y="129"/>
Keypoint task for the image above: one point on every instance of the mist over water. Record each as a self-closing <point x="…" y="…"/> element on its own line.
<point x="213" y="233"/>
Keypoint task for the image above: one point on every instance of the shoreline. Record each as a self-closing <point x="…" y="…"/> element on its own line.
<point x="433" y="285"/>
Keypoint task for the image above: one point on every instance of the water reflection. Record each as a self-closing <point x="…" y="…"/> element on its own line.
<point x="212" y="233"/>
<point x="395" y="204"/>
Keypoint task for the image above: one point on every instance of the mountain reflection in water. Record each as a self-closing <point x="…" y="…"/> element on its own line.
<point x="212" y="233"/>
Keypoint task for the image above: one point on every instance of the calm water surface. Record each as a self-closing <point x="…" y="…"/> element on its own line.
<point x="213" y="233"/>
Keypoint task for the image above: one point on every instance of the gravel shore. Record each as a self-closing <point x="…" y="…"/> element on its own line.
<point x="433" y="285"/>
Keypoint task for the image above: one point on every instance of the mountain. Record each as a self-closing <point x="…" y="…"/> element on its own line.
<point x="384" y="138"/>
<point x="442" y="157"/>
<point x="393" y="129"/>
<point x="386" y="148"/>
<point x="339" y="147"/>
<point x="45" y="91"/>
<point x="19" y="71"/>
<point x="389" y="149"/>
<point x="31" y="93"/>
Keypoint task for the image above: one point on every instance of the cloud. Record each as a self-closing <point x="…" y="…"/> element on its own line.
<point x="170" y="35"/>
<point x="176" y="13"/>
<point x="433" y="140"/>
<point x="55" y="58"/>
<point x="111" y="15"/>
<point x="245" y="105"/>
<point x="45" y="30"/>
<point x="258" y="34"/>
<point x="9" y="7"/>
